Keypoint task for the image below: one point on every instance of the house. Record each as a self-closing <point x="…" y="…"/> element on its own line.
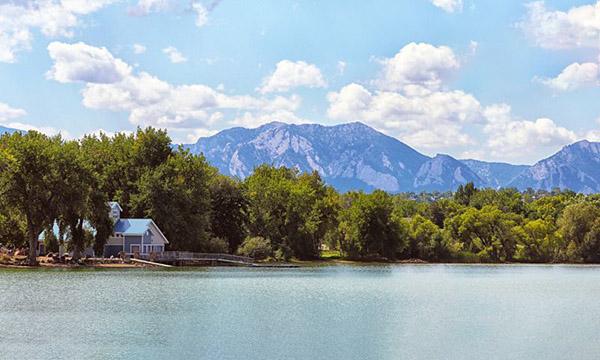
<point x="133" y="236"/>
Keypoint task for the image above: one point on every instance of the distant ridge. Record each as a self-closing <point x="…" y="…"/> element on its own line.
<point x="4" y="130"/>
<point x="575" y="167"/>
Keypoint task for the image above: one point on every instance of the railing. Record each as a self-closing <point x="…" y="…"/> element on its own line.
<point x="192" y="256"/>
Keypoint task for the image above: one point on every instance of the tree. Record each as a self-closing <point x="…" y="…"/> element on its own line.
<point x="464" y="193"/>
<point x="73" y="194"/>
<point x="293" y="211"/>
<point x="229" y="211"/>
<point x="489" y="233"/>
<point x="539" y="241"/>
<point x="176" y="196"/>
<point x="367" y="226"/>
<point x="425" y="240"/>
<point x="576" y="224"/>
<point x="30" y="180"/>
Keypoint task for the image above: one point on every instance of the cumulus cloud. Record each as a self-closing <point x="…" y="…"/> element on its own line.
<point x="139" y="48"/>
<point x="449" y="5"/>
<point x="575" y="76"/>
<point x="174" y="55"/>
<point x="8" y="113"/>
<point x="552" y="29"/>
<point x="594" y="134"/>
<point x="510" y="138"/>
<point x="52" y="18"/>
<point x="80" y="62"/>
<point x="201" y="14"/>
<point x="419" y="116"/>
<point x="409" y="100"/>
<point x="151" y="101"/>
<point x="9" y="116"/>
<point x="252" y="120"/>
<point x="417" y="64"/>
<point x="289" y="74"/>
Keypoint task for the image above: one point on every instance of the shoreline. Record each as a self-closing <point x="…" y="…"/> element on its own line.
<point x="290" y="265"/>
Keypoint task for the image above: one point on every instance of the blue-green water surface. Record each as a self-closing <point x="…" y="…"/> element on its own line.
<point x="329" y="312"/>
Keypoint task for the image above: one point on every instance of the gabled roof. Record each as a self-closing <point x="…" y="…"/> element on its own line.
<point x="136" y="227"/>
<point x="113" y="204"/>
<point x="132" y="226"/>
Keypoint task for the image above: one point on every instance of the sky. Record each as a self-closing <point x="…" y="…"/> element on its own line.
<point x="509" y="81"/>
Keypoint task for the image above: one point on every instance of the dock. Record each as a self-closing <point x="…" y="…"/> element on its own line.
<point x="193" y="258"/>
<point x="187" y="257"/>
<point x="146" y="262"/>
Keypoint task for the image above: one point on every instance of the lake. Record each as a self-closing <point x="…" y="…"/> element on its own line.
<point x="326" y="312"/>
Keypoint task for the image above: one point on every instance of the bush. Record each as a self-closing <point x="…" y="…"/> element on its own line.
<point x="283" y="253"/>
<point x="256" y="247"/>
<point x="217" y="245"/>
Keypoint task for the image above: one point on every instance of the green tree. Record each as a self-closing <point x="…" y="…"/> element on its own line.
<point x="176" y="196"/>
<point x="575" y="224"/>
<point x="488" y="233"/>
<point x="464" y="193"/>
<point x="229" y="211"/>
<point x="368" y="227"/>
<point x="29" y="181"/>
<point x="426" y="240"/>
<point x="539" y="241"/>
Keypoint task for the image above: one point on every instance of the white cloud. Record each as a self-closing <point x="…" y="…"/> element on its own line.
<point x="419" y="116"/>
<point x="174" y="55"/>
<point x="84" y="63"/>
<point x="449" y="5"/>
<point x="417" y="64"/>
<point x="8" y="116"/>
<point x="252" y="120"/>
<point x="575" y="76"/>
<point x="510" y="138"/>
<point x="48" y="130"/>
<point x="52" y="18"/>
<point x="182" y="109"/>
<point x="145" y="7"/>
<point x="139" y="48"/>
<point x="289" y="74"/>
<point x="7" y="112"/>
<point x="341" y="67"/>
<point x="201" y="14"/>
<point x="575" y="28"/>
<point x="594" y="134"/>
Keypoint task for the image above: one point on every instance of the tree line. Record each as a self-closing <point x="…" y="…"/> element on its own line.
<point x="276" y="213"/>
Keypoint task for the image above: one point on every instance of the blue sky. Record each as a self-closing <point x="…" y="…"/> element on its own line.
<point x="493" y="80"/>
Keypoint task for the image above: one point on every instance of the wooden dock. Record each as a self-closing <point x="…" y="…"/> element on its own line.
<point x="152" y="263"/>
<point x="182" y="257"/>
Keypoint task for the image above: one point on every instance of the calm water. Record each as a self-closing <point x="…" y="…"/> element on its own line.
<point x="336" y="312"/>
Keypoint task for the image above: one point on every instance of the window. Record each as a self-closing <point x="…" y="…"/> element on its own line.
<point x="135" y="249"/>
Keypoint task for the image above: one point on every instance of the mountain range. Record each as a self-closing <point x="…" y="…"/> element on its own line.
<point x="355" y="156"/>
<point x="6" y="130"/>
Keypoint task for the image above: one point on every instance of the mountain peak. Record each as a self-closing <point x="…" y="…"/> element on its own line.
<point x="354" y="156"/>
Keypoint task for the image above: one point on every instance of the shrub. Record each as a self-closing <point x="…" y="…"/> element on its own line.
<point x="256" y="247"/>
